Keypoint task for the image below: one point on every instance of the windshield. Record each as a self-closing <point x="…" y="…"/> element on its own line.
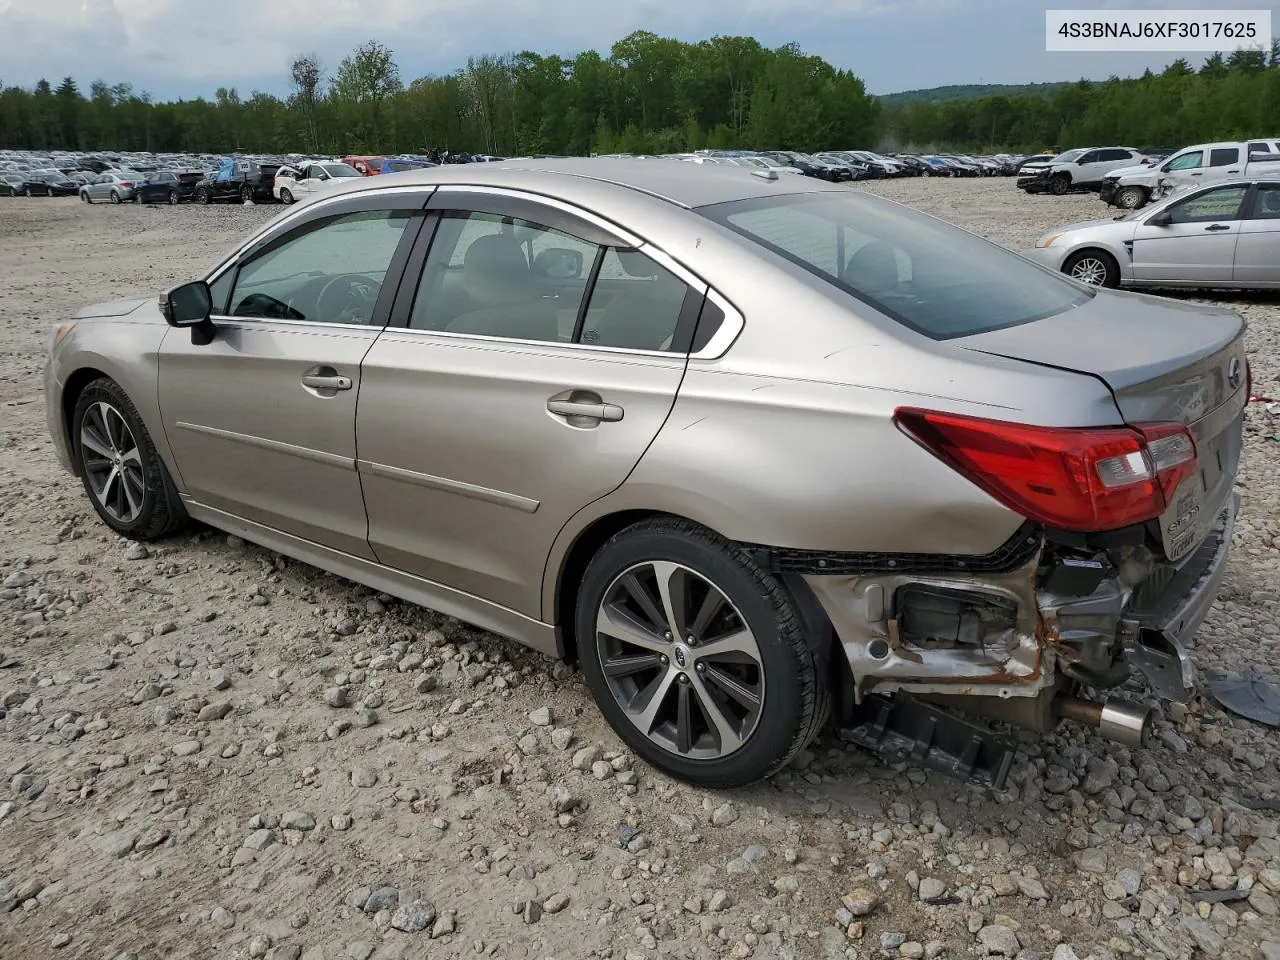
<point x="340" y="170"/>
<point x="926" y="274"/>
<point x="1068" y="156"/>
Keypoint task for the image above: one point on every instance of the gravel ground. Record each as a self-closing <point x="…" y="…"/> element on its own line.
<point x="211" y="751"/>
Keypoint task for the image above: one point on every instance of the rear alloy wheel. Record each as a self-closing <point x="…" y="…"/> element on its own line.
<point x="696" y="655"/>
<point x="1094" y="267"/>
<point x="1131" y="198"/>
<point x="115" y="197"/>
<point x="246" y="194"/>
<point x="1059" y="184"/>
<point x="29" y="192"/>
<point x="204" y="196"/>
<point x="124" y="476"/>
<point x="173" y="198"/>
<point x="286" y="195"/>
<point x="84" y="195"/>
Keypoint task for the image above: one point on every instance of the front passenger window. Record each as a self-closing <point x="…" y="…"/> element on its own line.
<point x="332" y="273"/>
<point x="1185" y="161"/>
<point x="1220" y="204"/>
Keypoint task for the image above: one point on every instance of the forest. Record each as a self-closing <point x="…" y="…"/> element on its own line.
<point x="650" y="94"/>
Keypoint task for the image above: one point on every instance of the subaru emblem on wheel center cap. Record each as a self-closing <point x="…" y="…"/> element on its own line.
<point x="681" y="659"/>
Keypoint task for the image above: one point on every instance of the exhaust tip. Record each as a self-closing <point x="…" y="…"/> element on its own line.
<point x="1125" y="723"/>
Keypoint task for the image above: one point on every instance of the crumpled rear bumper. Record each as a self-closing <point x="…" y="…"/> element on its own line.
<point x="1157" y="639"/>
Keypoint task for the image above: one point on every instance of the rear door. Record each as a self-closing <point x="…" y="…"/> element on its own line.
<point x="1198" y="246"/>
<point x="1258" y="247"/>
<point x="1224" y="162"/>
<point x="533" y="355"/>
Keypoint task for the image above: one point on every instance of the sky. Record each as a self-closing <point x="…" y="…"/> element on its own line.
<point x="188" y="48"/>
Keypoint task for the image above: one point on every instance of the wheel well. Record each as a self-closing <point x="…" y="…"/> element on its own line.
<point x="1092" y="251"/>
<point x="71" y="394"/>
<point x="575" y="564"/>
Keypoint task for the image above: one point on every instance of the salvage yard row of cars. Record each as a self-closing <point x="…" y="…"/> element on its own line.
<point x="174" y="178"/>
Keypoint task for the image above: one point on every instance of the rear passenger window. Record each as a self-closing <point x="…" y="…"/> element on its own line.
<point x="1266" y="205"/>
<point x="1223" y="156"/>
<point x="493" y="276"/>
<point x="636" y="304"/>
<point x="1260" y="147"/>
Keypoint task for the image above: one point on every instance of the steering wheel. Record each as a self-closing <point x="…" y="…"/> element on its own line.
<point x="347" y="298"/>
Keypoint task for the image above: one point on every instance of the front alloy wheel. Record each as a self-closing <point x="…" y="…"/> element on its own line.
<point x="125" y="478"/>
<point x="1093" y="267"/>
<point x="112" y="462"/>
<point x="697" y="656"/>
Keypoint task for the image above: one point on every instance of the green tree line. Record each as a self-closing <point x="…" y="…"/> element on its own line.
<point x="650" y="94"/>
<point x="1230" y="98"/>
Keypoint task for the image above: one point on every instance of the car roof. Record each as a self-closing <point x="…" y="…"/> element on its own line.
<point x="684" y="184"/>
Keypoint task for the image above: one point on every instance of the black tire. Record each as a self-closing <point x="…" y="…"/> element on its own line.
<point x="204" y="196"/>
<point x="795" y="700"/>
<point x="161" y="511"/>
<point x="1131" y="198"/>
<point x="1110" y="270"/>
<point x="286" y="195"/>
<point x="246" y="194"/>
<point x="173" y="198"/>
<point x="29" y="193"/>
<point x="84" y="196"/>
<point x="115" y="197"/>
<point x="1059" y="184"/>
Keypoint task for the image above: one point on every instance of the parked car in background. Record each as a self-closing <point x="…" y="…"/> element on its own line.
<point x="298" y="183"/>
<point x="401" y="164"/>
<point x="727" y="564"/>
<point x="49" y="183"/>
<point x="365" y="166"/>
<point x="247" y="179"/>
<point x="810" y="166"/>
<point x="12" y="184"/>
<point x="858" y="170"/>
<point x="1225" y="234"/>
<point x="1134" y="186"/>
<point x="165" y="186"/>
<point x="118" y="186"/>
<point x="1083" y="169"/>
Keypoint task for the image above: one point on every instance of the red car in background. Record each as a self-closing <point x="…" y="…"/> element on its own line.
<point x="367" y="166"/>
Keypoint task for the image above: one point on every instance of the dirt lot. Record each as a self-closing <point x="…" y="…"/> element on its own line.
<point x="210" y="751"/>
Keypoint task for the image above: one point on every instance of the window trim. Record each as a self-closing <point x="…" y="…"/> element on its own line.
<point x="387" y="292"/>
<point x="549" y="212"/>
<point x="370" y="198"/>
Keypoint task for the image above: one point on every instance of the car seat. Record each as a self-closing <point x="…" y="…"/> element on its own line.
<point x="496" y="278"/>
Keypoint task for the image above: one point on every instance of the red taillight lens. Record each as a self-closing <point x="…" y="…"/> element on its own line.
<point x="126" y="183"/>
<point x="1084" y="479"/>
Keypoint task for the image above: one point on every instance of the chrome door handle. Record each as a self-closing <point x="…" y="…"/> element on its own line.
<point x="606" y="412"/>
<point x="326" y="383"/>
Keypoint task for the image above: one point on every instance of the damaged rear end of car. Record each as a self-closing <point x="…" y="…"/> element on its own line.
<point x="1125" y="541"/>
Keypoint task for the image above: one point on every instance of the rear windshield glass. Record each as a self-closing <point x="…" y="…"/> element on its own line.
<point x="930" y="276"/>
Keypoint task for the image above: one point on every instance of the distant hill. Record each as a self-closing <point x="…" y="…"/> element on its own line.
<point x="968" y="92"/>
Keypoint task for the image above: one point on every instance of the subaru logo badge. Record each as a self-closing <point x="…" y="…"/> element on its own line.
<point x="680" y="658"/>
<point x="1233" y="372"/>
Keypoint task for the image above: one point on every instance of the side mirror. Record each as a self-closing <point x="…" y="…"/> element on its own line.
<point x="558" y="263"/>
<point x="1162" y="219"/>
<point x="189" y="306"/>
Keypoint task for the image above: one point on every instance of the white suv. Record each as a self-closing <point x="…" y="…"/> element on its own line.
<point x="1082" y="169"/>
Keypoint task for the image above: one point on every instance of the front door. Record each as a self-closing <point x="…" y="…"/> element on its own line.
<point x="1198" y="245"/>
<point x="523" y="379"/>
<point x="261" y="420"/>
<point x="1258" y="248"/>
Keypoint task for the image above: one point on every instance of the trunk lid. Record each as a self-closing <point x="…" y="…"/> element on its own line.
<point x="1164" y="361"/>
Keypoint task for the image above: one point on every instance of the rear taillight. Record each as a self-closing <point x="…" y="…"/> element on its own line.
<point x="1085" y="479"/>
<point x="126" y="183"/>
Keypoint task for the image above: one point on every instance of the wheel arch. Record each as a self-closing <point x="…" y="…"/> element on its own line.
<point x="71" y="390"/>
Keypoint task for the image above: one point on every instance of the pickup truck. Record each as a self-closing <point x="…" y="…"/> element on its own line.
<point x="239" y="178"/>
<point x="1133" y="187"/>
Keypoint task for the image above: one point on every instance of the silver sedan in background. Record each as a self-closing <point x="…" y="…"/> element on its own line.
<point x="751" y="448"/>
<point x="118" y="186"/>
<point x="1223" y="235"/>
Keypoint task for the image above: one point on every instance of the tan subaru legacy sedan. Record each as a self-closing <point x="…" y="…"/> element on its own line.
<point x="751" y="449"/>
